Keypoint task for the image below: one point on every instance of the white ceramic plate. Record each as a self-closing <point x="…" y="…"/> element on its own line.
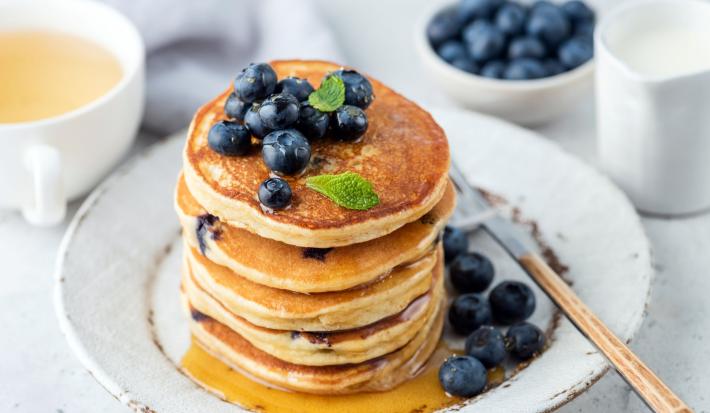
<point x="117" y="277"/>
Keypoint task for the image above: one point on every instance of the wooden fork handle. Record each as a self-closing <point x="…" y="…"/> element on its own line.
<point x="652" y="390"/>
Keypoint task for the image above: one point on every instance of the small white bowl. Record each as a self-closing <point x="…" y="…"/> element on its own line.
<point x="526" y="102"/>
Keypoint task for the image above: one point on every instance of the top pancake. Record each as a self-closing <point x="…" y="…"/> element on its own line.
<point x="404" y="154"/>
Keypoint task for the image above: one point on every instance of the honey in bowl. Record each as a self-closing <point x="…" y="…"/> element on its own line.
<point x="45" y="74"/>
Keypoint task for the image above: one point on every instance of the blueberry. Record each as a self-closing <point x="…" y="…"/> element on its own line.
<point x="471" y="272"/>
<point x="455" y="243"/>
<point x="541" y="5"/>
<point x="254" y="123"/>
<point x="229" y="138"/>
<point x="487" y="345"/>
<point x="524" y="69"/>
<point x="548" y="24"/>
<point x="444" y="26"/>
<point x="511" y="302"/>
<point x="468" y="312"/>
<point x="358" y="90"/>
<point x="577" y="11"/>
<point x="279" y="111"/>
<point x="299" y="88"/>
<point x="477" y="9"/>
<point x="286" y="152"/>
<point x="485" y="43"/>
<point x="510" y="18"/>
<point x="584" y="29"/>
<point x="493" y="69"/>
<point x="575" y="52"/>
<point x="349" y="123"/>
<point x="452" y="50"/>
<point x="465" y="64"/>
<point x="312" y="122"/>
<point x="523" y="340"/>
<point x="463" y="376"/>
<point x="474" y="29"/>
<point x="553" y="67"/>
<point x="526" y="46"/>
<point x="234" y="108"/>
<point x="275" y="193"/>
<point x="255" y="82"/>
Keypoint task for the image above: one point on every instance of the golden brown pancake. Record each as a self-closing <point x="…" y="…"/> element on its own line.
<point x="279" y="265"/>
<point x="404" y="154"/>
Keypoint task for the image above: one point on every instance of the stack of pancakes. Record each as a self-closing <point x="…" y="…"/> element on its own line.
<point x="318" y="298"/>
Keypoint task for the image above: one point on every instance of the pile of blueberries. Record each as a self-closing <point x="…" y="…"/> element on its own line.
<point x="279" y="116"/>
<point x="503" y="39"/>
<point x="509" y="303"/>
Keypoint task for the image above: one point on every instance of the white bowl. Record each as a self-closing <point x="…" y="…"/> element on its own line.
<point x="526" y="102"/>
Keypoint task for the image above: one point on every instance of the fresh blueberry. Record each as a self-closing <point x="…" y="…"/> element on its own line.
<point x="510" y="18"/>
<point x="477" y="9"/>
<point x="493" y="69"/>
<point x="471" y="272"/>
<point x="553" y="67"/>
<point x="349" y="123"/>
<point x="279" y="111"/>
<point x="541" y="5"/>
<point x="584" y="29"/>
<point x="549" y="24"/>
<point x="575" y="52"/>
<point x="511" y="302"/>
<point x="485" y="43"/>
<point x="526" y="46"/>
<point x="452" y="50"/>
<point x="455" y="243"/>
<point x="235" y="108"/>
<point x="444" y="26"/>
<point x="229" y="138"/>
<point x="275" y="193"/>
<point x="468" y="312"/>
<point x="358" y="90"/>
<point x="523" y="340"/>
<point x="465" y="64"/>
<point x="254" y="123"/>
<point x="524" y="69"/>
<point x="577" y="11"/>
<point x="255" y="82"/>
<point x="463" y="376"/>
<point x="487" y="345"/>
<point x="312" y="122"/>
<point x="299" y="88"/>
<point x="286" y="152"/>
<point x="474" y="29"/>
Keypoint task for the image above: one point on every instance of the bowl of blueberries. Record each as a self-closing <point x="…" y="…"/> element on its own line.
<point x="526" y="62"/>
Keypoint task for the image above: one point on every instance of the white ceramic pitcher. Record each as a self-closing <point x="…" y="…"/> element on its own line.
<point x="654" y="128"/>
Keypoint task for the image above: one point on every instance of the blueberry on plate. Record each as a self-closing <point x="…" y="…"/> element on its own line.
<point x="493" y="69"/>
<point x="229" y="138"/>
<point x="349" y="123"/>
<point x="275" y="193"/>
<point x="295" y="86"/>
<point x="279" y="111"/>
<point x="255" y="82"/>
<point x="524" y="69"/>
<point x="358" y="90"/>
<point x="444" y="26"/>
<point x="478" y="9"/>
<point x="523" y="340"/>
<point x="553" y="67"/>
<point x="312" y="122"/>
<point x="235" y="108"/>
<point x="254" y="123"/>
<point x="577" y="11"/>
<point x="463" y="376"/>
<point x="286" y="152"/>
<point x="510" y="19"/>
<point x="452" y="50"/>
<point x="575" y="52"/>
<point x="471" y="272"/>
<point x="526" y="46"/>
<point x="455" y="243"/>
<point x="487" y="345"/>
<point x="465" y="64"/>
<point x="511" y="302"/>
<point x="485" y="43"/>
<point x="468" y="312"/>
<point x="549" y="24"/>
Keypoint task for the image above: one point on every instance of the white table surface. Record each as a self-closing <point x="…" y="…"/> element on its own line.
<point x="39" y="373"/>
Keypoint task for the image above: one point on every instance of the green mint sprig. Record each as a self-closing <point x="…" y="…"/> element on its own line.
<point x="348" y="189"/>
<point x="329" y="96"/>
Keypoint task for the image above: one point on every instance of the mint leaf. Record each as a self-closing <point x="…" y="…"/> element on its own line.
<point x="329" y="96"/>
<point x="349" y="190"/>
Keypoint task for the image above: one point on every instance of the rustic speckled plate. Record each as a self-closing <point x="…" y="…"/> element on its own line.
<point x="118" y="269"/>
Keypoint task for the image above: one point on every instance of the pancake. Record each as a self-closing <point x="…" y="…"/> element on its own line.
<point x="404" y="154"/>
<point x="338" y="310"/>
<point x="325" y="348"/>
<point x="288" y="267"/>
<point x="380" y="374"/>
